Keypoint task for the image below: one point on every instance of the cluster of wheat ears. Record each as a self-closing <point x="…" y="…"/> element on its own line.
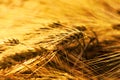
<point x="75" y="54"/>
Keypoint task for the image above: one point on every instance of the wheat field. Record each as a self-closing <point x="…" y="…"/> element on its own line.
<point x="59" y="40"/>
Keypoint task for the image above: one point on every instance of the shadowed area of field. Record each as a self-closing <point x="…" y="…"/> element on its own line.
<point x="58" y="39"/>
